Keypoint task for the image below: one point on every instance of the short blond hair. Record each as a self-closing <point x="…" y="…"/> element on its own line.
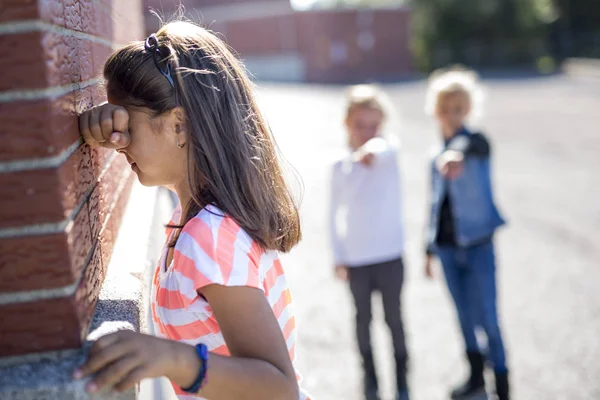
<point x="366" y="96"/>
<point x="456" y="79"/>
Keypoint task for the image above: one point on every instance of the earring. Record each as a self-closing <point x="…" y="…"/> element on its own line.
<point x="180" y="145"/>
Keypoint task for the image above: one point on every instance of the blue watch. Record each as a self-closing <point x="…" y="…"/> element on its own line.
<point x="202" y="352"/>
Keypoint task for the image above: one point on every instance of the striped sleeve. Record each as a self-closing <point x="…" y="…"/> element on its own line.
<point x="214" y="250"/>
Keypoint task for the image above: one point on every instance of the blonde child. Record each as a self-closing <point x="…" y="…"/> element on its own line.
<point x="182" y="110"/>
<point x="462" y="222"/>
<point x="367" y="231"/>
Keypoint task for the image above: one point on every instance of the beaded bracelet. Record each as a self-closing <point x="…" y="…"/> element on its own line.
<point x="202" y="352"/>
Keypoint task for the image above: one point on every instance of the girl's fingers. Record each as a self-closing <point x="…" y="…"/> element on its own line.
<point x="114" y="373"/>
<point x="104" y="342"/>
<point x="132" y="379"/>
<point x="105" y="351"/>
<point x="120" y="120"/>
<point x="84" y="129"/>
<point x="106" y="122"/>
<point x="120" y="139"/>
<point x="94" y="125"/>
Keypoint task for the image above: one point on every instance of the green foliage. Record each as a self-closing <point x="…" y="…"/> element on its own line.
<point x="479" y="33"/>
<point x="496" y="33"/>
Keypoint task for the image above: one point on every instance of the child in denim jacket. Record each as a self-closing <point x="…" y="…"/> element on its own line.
<point x="461" y="226"/>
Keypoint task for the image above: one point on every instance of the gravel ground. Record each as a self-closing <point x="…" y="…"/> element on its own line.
<point x="546" y="142"/>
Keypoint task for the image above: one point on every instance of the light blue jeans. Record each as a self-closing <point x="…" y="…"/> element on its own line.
<point x="471" y="278"/>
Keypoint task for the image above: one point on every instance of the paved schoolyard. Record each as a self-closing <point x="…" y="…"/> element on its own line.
<point x="546" y="144"/>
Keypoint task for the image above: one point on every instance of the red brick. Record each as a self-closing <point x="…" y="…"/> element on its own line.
<point x="111" y="229"/>
<point x="62" y="323"/>
<point x="76" y="177"/>
<point x="47" y="195"/>
<point x="18" y="10"/>
<point x="43" y="128"/>
<point x="29" y="197"/>
<point x="96" y="18"/>
<point x="21" y="258"/>
<point x="46" y="261"/>
<point x="88" y="97"/>
<point x="87" y="293"/>
<point x="99" y="56"/>
<point x="52" y="324"/>
<point x="268" y="36"/>
<point x="90" y="16"/>
<point x="45" y="59"/>
<point x="38" y="128"/>
<point x="388" y="58"/>
<point x="38" y="326"/>
<point x="82" y="101"/>
<point x="105" y="193"/>
<point x="25" y="68"/>
<point x="98" y="92"/>
<point x="61" y="65"/>
<point x="72" y="14"/>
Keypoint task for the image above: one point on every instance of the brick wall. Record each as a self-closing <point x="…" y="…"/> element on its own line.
<point x="335" y="46"/>
<point x="354" y="45"/>
<point x="61" y="202"/>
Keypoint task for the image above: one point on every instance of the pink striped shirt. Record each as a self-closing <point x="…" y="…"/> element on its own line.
<point x="213" y="249"/>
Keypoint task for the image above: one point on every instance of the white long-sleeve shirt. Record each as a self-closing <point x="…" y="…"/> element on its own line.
<point x="366" y="224"/>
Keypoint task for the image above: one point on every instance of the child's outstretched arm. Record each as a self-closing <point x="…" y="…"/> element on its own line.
<point x="375" y="148"/>
<point x="259" y="367"/>
<point x="450" y="162"/>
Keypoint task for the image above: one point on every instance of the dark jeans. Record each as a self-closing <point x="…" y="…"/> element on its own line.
<point x="471" y="278"/>
<point x="387" y="278"/>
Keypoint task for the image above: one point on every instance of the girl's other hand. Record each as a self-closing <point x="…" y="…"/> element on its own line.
<point x="341" y="272"/>
<point x="121" y="360"/>
<point x="105" y="125"/>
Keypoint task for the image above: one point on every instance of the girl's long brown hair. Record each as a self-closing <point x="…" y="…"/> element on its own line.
<point x="231" y="153"/>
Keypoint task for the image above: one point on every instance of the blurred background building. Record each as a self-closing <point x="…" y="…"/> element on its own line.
<point x="279" y="42"/>
<point x="360" y="40"/>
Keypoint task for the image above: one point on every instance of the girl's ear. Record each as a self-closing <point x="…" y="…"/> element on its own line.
<point x="179" y="116"/>
<point x="179" y="123"/>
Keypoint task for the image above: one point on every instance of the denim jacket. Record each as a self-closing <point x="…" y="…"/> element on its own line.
<point x="474" y="213"/>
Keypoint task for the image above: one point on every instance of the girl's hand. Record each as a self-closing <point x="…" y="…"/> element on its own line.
<point x="450" y="164"/>
<point x="124" y="358"/>
<point x="105" y="125"/>
<point x="341" y="272"/>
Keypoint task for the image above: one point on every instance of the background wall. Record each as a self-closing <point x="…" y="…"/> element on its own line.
<point x="278" y="43"/>
<point x="61" y="202"/>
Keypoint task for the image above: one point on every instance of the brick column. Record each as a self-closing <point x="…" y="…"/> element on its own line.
<point x="61" y="202"/>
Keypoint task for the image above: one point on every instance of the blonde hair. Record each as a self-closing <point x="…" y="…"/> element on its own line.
<point x="372" y="97"/>
<point x="366" y="96"/>
<point x="456" y="79"/>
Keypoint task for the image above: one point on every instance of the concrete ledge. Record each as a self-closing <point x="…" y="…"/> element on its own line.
<point x="121" y="305"/>
<point x="48" y="376"/>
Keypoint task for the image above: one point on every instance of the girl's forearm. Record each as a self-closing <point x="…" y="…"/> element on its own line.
<point x="232" y="377"/>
